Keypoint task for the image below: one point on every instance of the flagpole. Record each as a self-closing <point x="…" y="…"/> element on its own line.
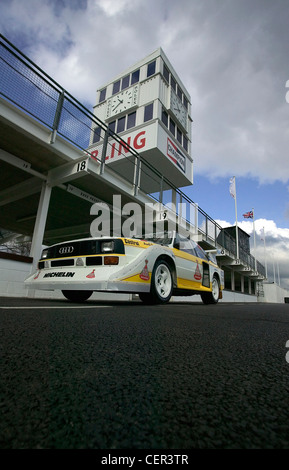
<point x="237" y="234"/>
<point x="265" y="253"/>
<point x="254" y="238"/>
<point x="278" y="274"/>
<point x="233" y="193"/>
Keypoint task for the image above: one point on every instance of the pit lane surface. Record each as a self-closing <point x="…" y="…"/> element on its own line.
<point x="106" y="375"/>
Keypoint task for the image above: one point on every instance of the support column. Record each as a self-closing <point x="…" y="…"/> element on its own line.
<point x="39" y="228"/>
<point x="174" y="199"/>
<point x="242" y="284"/>
<point x="232" y="280"/>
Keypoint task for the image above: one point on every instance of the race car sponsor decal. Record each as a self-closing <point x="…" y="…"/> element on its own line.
<point x="198" y="275"/>
<point x="59" y="274"/>
<point x="137" y="243"/>
<point x="91" y="275"/>
<point x="144" y="275"/>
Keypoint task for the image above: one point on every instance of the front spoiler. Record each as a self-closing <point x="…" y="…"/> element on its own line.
<point x="83" y="278"/>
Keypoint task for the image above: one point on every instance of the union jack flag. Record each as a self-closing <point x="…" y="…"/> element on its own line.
<point x="248" y="215"/>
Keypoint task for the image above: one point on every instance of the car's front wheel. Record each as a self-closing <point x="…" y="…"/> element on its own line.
<point x="212" y="297"/>
<point x="77" y="295"/>
<point x="161" y="285"/>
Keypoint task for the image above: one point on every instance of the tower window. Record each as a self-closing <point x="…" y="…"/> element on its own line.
<point x="96" y="135"/>
<point x="116" y="87"/>
<point x="121" y="124"/>
<point x="165" y="118"/>
<point x="172" y="127"/>
<point x="125" y="82"/>
<point x="111" y="126"/>
<point x="173" y="83"/>
<point x="131" y="118"/>
<point x="102" y="95"/>
<point x="185" y="143"/>
<point x="135" y="77"/>
<point x="151" y="69"/>
<point x="166" y="73"/>
<point x="148" y="112"/>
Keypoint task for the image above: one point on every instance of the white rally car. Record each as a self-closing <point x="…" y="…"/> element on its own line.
<point x="155" y="268"/>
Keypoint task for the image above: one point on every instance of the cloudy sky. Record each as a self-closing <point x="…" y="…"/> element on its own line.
<point x="233" y="58"/>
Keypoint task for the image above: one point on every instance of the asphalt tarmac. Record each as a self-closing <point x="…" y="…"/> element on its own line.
<point x="105" y="375"/>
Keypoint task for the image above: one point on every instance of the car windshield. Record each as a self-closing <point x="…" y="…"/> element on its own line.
<point x="159" y="238"/>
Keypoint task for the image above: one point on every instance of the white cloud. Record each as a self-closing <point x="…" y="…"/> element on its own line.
<point x="231" y="56"/>
<point x="112" y="7"/>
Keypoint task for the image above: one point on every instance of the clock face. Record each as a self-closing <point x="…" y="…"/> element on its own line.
<point x="122" y="101"/>
<point x="178" y="109"/>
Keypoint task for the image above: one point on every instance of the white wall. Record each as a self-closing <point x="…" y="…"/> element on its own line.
<point x="273" y="293"/>
<point x="12" y="275"/>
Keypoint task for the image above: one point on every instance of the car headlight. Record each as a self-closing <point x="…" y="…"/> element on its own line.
<point x="107" y="247"/>
<point x="44" y="254"/>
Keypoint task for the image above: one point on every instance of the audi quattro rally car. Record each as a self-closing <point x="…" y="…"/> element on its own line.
<point x="155" y="268"/>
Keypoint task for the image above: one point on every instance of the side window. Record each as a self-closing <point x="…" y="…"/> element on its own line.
<point x="200" y="253"/>
<point x="186" y="245"/>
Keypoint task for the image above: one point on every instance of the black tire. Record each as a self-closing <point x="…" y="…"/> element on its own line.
<point x="77" y="295"/>
<point x="212" y="297"/>
<point x="161" y="285"/>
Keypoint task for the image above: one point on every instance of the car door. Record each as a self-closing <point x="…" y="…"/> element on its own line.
<point x="189" y="266"/>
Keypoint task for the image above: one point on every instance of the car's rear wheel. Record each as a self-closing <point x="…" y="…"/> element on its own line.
<point x="212" y="297"/>
<point x="77" y="295"/>
<point x="161" y="285"/>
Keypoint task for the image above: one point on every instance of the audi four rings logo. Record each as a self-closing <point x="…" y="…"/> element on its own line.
<point x="66" y="250"/>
